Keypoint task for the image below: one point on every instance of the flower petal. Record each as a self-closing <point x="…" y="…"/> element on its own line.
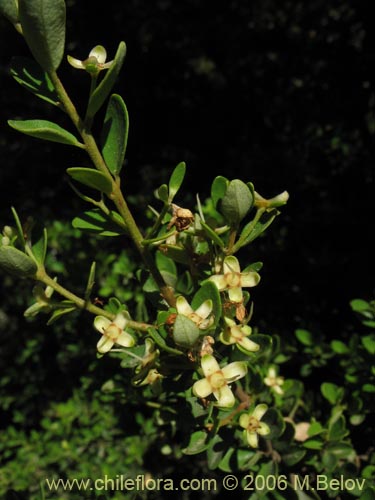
<point x="234" y="371"/>
<point x="101" y="323"/>
<point x="99" y="53"/>
<point x="226" y="338"/>
<point x="225" y="397"/>
<point x="202" y="388"/>
<point x="252" y="439"/>
<point x="259" y="411"/>
<point x="205" y="309"/>
<point x="209" y="365"/>
<point x="183" y="307"/>
<point x="125" y="340"/>
<point x="235" y="294"/>
<point x="104" y="345"/>
<point x="120" y="320"/>
<point x="76" y="63"/>
<point x="248" y="344"/>
<point x="249" y="279"/>
<point x="244" y="420"/>
<point x="231" y="265"/>
<point x="263" y="430"/>
<point x="219" y="280"/>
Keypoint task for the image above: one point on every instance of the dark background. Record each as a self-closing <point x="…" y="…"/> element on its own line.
<point x="277" y="93"/>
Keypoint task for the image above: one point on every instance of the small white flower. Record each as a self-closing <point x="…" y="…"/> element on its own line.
<point x="237" y="334"/>
<point x="253" y="426"/>
<point x="233" y="280"/>
<point x="94" y="63"/>
<point x="201" y="316"/>
<point x="274" y="381"/>
<point x="113" y="332"/>
<point x="217" y="379"/>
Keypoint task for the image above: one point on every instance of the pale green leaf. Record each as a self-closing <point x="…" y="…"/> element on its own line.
<point x="43" y="27"/>
<point x="91" y="178"/>
<point x="114" y="135"/>
<point x="46" y="130"/>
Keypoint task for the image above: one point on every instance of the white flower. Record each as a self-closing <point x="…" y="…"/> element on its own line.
<point x="217" y="379"/>
<point x="273" y="381"/>
<point x="233" y="280"/>
<point x="237" y="334"/>
<point x="253" y="426"/>
<point x="200" y="316"/>
<point x="113" y="332"/>
<point x="95" y="61"/>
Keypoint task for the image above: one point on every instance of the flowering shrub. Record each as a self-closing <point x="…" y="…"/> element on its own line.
<point x="193" y="354"/>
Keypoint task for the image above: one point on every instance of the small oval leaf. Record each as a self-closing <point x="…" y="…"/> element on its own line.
<point x="44" y="129"/>
<point x="103" y="90"/>
<point x="43" y="27"/>
<point x="236" y="202"/>
<point x="114" y="137"/>
<point x="91" y="178"/>
<point x="176" y="180"/>
<point x="218" y="189"/>
<point x="185" y="332"/>
<point x="95" y="222"/>
<point x="17" y="263"/>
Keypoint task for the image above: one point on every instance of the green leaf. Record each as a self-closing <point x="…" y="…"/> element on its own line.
<point x="218" y="189"/>
<point x="237" y="202"/>
<point x="274" y="419"/>
<point x="39" y="248"/>
<point x="293" y="455"/>
<point x="31" y="76"/>
<point x="176" y="180"/>
<point x="90" y="281"/>
<point x="114" y="137"/>
<point x="212" y="234"/>
<point x="162" y="193"/>
<point x="315" y="429"/>
<point x="329" y="460"/>
<point x="43" y="27"/>
<point x="103" y="90"/>
<point x="331" y="392"/>
<point x="185" y="332"/>
<point x="341" y="450"/>
<point x="338" y="430"/>
<point x="9" y="9"/>
<point x="215" y="451"/>
<point x="94" y="221"/>
<point x="359" y="305"/>
<point x="339" y="347"/>
<point x="368" y="343"/>
<point x="197" y="443"/>
<point x="65" y="308"/>
<point x="15" y="262"/>
<point x="176" y="253"/>
<point x="304" y="336"/>
<point x="91" y="178"/>
<point x="167" y="268"/>
<point x="208" y="290"/>
<point x="44" y="129"/>
<point x="19" y="227"/>
<point x="368" y="388"/>
<point x="313" y="444"/>
<point x="255" y="228"/>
